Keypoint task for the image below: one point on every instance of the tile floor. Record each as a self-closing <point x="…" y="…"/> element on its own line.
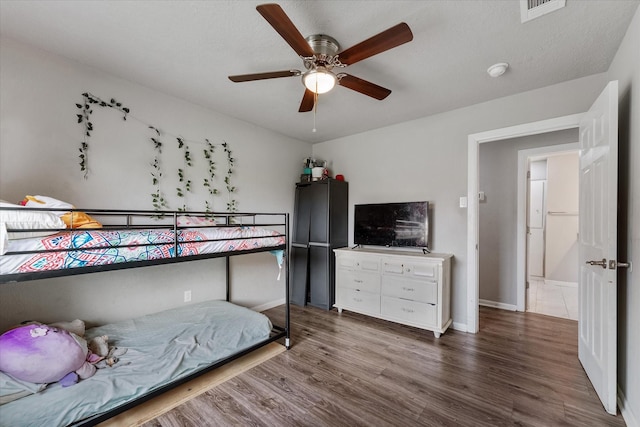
<point x="559" y="299"/>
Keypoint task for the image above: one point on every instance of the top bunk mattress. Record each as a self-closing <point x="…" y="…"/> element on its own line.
<point x="161" y="348"/>
<point x="90" y="248"/>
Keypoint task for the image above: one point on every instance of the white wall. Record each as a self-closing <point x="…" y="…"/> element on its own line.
<point x="39" y="140"/>
<point x="626" y="69"/>
<point x="425" y="159"/>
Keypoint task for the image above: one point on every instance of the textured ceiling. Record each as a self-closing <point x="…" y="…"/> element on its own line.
<point x="188" y="48"/>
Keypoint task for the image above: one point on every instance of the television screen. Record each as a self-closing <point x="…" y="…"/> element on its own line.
<point x="392" y="224"/>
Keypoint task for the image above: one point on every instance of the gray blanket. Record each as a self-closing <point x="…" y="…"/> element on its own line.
<point x="160" y="347"/>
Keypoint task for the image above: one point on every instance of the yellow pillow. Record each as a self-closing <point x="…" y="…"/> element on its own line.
<point x="79" y="220"/>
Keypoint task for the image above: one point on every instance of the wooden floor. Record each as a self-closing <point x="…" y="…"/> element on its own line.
<point x="349" y="370"/>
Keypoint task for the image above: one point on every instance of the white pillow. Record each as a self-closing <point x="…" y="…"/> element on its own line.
<point x="29" y="220"/>
<point x="47" y="202"/>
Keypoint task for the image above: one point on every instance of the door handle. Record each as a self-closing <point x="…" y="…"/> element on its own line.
<point x="613" y="264"/>
<point x="602" y="263"/>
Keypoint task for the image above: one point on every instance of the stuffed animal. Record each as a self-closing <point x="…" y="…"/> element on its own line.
<point x="41" y="353"/>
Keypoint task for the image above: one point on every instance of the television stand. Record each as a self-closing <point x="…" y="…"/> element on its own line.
<point x="411" y="288"/>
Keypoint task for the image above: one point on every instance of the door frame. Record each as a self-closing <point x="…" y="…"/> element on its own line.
<point x="521" y="216"/>
<point x="474" y="141"/>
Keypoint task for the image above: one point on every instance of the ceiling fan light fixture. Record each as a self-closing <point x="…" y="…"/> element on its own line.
<point x="319" y="80"/>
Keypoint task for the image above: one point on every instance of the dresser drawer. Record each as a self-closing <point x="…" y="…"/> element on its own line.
<point x="418" y="270"/>
<point x="423" y="270"/>
<point x="422" y="291"/>
<point x="409" y="311"/>
<point x="360" y="301"/>
<point x="370" y="264"/>
<point x="359" y="280"/>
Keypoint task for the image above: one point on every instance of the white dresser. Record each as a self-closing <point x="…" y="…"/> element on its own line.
<point x="407" y="287"/>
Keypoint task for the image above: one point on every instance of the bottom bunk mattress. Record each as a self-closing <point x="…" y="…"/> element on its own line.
<point x="161" y="348"/>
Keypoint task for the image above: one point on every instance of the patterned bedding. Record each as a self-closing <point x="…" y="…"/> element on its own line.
<point x="83" y="248"/>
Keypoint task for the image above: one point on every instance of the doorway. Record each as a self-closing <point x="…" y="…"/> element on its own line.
<point x="552" y="232"/>
<point x="474" y="141"/>
<point x="498" y="221"/>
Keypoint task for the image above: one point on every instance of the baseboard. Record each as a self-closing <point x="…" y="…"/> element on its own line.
<point x="495" y="304"/>
<point x="626" y="410"/>
<point x="459" y="326"/>
<point x="268" y="305"/>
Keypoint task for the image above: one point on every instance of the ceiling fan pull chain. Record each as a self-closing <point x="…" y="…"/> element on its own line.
<point x="314" y="120"/>
<point x="315" y="106"/>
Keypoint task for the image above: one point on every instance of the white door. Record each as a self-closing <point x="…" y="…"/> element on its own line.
<point x="598" y="232"/>
<point x="535" y="265"/>
<point x="535" y="251"/>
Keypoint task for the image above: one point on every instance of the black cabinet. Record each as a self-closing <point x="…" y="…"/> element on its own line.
<point x="320" y="224"/>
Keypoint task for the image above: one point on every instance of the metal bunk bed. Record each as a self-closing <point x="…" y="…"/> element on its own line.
<point x="168" y="221"/>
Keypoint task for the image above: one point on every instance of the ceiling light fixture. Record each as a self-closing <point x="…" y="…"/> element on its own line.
<point x="496" y="70"/>
<point x="319" y="80"/>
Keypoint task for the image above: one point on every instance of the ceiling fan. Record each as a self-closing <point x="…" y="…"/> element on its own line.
<point x="320" y="56"/>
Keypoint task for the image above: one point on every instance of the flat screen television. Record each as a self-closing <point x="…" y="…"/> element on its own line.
<point x="392" y="224"/>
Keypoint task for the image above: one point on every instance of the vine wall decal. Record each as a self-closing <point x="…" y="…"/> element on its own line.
<point x="158" y="179"/>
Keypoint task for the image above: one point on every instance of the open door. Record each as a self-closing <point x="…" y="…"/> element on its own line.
<point x="535" y="228"/>
<point x="598" y="242"/>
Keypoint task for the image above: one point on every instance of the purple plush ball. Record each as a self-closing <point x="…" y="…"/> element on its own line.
<point x="39" y="353"/>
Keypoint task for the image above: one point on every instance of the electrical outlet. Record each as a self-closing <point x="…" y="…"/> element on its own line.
<point x="187" y="296"/>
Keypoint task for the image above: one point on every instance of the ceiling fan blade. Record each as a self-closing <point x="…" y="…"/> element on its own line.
<point x="280" y="22"/>
<point x="388" y="39"/>
<point x="263" y="76"/>
<point x="363" y="86"/>
<point x="308" y="101"/>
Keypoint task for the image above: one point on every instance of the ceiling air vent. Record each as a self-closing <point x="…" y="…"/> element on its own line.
<point x="532" y="9"/>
